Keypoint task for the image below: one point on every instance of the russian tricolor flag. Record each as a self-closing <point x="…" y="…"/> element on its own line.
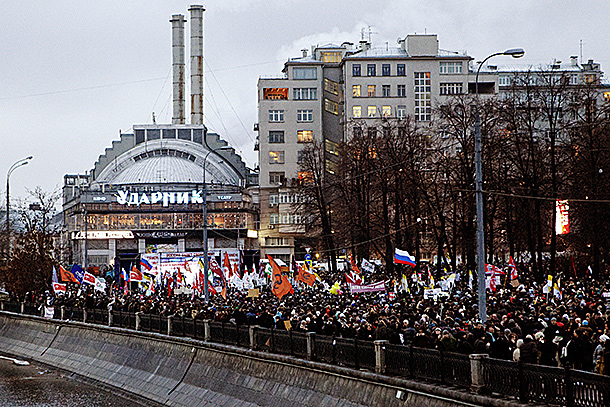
<point x="144" y="263"/>
<point x="403" y="257"/>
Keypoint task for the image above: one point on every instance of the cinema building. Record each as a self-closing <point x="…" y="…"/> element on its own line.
<point x="145" y="194"/>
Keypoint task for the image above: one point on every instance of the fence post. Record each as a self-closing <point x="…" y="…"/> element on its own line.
<point x="569" y="388"/>
<point x="380" y="356"/>
<point x="252" y="332"/>
<point x="42" y="311"/>
<point x="1" y="305"/>
<point x="476" y="372"/>
<point x="207" y="333"/>
<point x="23" y="307"/>
<point x="170" y="324"/>
<point x="62" y="314"/>
<point x="311" y="345"/>
<point x="84" y="314"/>
<point x="110" y="317"/>
<point x="523" y="397"/>
<point x="411" y="366"/>
<point x="138" y="321"/>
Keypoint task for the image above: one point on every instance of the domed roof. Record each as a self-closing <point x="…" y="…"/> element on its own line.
<point x="162" y="169"/>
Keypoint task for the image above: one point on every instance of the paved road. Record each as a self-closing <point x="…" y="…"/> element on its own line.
<point x="35" y="386"/>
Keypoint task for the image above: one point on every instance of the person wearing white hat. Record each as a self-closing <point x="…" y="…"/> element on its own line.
<point x="598" y="360"/>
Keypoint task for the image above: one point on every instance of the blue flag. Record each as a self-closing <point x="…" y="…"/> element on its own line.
<point x="78" y="272"/>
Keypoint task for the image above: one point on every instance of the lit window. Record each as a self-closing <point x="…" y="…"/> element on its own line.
<point x="332" y="57"/>
<point x="356" y="90"/>
<point x="331" y="147"/>
<point x="372" y="111"/>
<point x="386" y="111"/>
<point x="371" y="70"/>
<point x="331" y="86"/>
<point x="385" y="91"/>
<point x="276" y="137"/>
<point x="357" y="111"/>
<point x="331" y="107"/>
<point x="304" y="136"/>
<point x="448" y="68"/>
<point x="356" y="70"/>
<point x="304" y="73"/>
<point x="371" y="91"/>
<point x="276" y="157"/>
<point x="276" y="115"/>
<point x="304" y="116"/>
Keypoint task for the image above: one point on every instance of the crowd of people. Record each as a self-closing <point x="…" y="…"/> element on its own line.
<point x="523" y="322"/>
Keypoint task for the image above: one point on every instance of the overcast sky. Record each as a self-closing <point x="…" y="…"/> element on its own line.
<point x="76" y="72"/>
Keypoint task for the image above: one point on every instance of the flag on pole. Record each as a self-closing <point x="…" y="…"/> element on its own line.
<point x="144" y="263"/>
<point x="367" y="266"/>
<point x="54" y="278"/>
<point x="280" y="284"/>
<point x="549" y="285"/>
<point x="227" y="266"/>
<point x="78" y="273"/>
<point x="59" y="288"/>
<point x="89" y="278"/>
<point x="403" y="257"/>
<point x="66" y="275"/>
<point x="135" y="274"/>
<point x="470" y="279"/>
<point x="513" y="268"/>
<point x="557" y="289"/>
<point x="353" y="275"/>
<point x="305" y="276"/>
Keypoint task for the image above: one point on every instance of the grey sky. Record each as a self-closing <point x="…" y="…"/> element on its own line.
<point x="75" y="72"/>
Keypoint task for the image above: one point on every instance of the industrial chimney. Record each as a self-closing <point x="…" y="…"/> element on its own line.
<point x="197" y="64"/>
<point x="178" y="67"/>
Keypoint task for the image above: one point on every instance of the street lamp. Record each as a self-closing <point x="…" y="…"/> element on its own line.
<point x="16" y="165"/>
<point x="206" y="265"/>
<point x="515" y="53"/>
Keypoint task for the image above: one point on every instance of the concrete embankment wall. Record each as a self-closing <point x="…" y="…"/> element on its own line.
<point x="182" y="372"/>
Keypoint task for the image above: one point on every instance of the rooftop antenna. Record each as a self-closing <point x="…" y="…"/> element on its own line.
<point x="154" y="118"/>
<point x="581" y="51"/>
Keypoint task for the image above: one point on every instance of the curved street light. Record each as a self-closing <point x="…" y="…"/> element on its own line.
<point x="206" y="265"/>
<point x="481" y="289"/>
<point x="17" y="164"/>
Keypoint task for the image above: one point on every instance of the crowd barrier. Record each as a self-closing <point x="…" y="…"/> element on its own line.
<point x="499" y="378"/>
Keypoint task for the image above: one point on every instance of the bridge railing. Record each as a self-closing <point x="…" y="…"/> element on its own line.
<point x="501" y="378"/>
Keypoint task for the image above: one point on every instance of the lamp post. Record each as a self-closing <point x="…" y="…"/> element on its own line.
<point x="515" y="53"/>
<point x="206" y="265"/>
<point x="16" y="165"/>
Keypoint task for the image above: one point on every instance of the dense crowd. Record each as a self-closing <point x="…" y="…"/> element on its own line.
<point x="523" y="322"/>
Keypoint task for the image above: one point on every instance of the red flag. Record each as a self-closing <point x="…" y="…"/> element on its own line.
<point x="513" y="268"/>
<point x="89" y="278"/>
<point x="59" y="288"/>
<point x="573" y="266"/>
<point x="354" y="265"/>
<point x="135" y="275"/>
<point x="281" y="285"/>
<point x="223" y="293"/>
<point x="353" y="278"/>
<point x="216" y="269"/>
<point x="227" y="266"/>
<point x="66" y="275"/>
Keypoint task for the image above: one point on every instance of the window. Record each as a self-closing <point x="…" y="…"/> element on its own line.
<point x="401" y="91"/>
<point x="372" y="111"/>
<point x="448" y="68"/>
<point x="423" y="109"/>
<point x="331" y="107"/>
<point x="451" y="88"/>
<point x="332" y="57"/>
<point x="371" y="70"/>
<point x="274" y="219"/>
<point x="276" y="115"/>
<point x="401" y="112"/>
<point x="385" y="70"/>
<point x="301" y="156"/>
<point x="276" y="178"/>
<point x="573" y="79"/>
<point x="304" y="93"/>
<point x="331" y="86"/>
<point x="276" y="157"/>
<point x="504" y="80"/>
<point x="276" y="137"/>
<point x="305" y="73"/>
<point x="331" y="147"/>
<point x="304" y="136"/>
<point x="304" y="116"/>
<point x="386" y="111"/>
<point x="356" y="91"/>
<point x="356" y="70"/>
<point x="275" y="93"/>
<point x="357" y="111"/>
<point x="385" y="90"/>
<point x="371" y="91"/>
<point x="400" y="70"/>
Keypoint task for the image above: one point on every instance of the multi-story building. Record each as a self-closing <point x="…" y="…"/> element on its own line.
<point x="317" y="98"/>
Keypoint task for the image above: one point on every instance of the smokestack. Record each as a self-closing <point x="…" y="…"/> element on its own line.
<point x="178" y="21"/>
<point x="196" y="64"/>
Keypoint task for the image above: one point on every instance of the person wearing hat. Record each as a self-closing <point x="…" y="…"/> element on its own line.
<point x="548" y="350"/>
<point x="598" y="355"/>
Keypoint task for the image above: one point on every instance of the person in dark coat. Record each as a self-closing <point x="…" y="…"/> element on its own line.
<point x="528" y="352"/>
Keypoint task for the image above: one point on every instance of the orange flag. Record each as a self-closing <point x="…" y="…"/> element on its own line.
<point x="281" y="285"/>
<point x="354" y="265"/>
<point x="305" y="276"/>
<point x="66" y="275"/>
<point x="223" y="293"/>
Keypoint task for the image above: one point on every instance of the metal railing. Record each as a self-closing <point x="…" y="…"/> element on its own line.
<point x="501" y="378"/>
